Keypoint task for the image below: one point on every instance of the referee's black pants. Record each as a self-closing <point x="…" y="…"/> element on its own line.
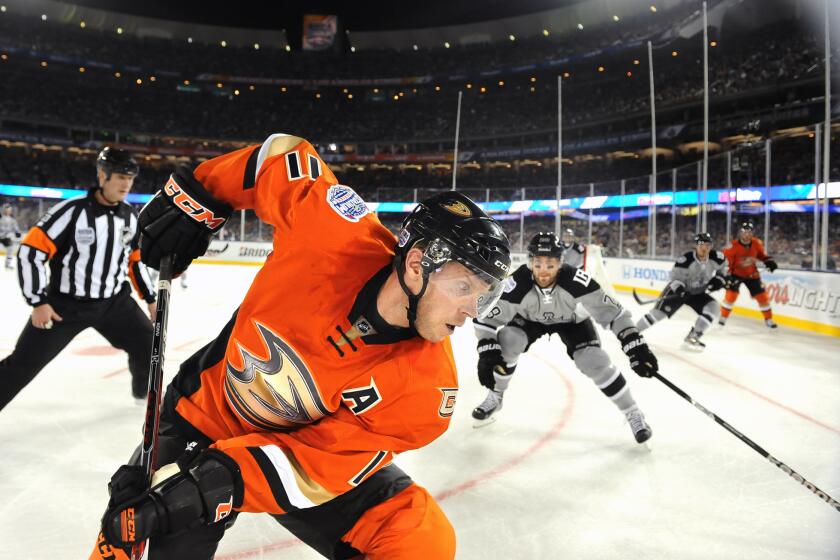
<point x="119" y="319"/>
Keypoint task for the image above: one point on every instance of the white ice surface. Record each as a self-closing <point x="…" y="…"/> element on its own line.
<point x="557" y="476"/>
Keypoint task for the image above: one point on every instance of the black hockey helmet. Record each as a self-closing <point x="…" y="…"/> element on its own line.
<point x="704" y="237"/>
<point x="747" y="224"/>
<point x="115" y="160"/>
<point x="545" y="244"/>
<point x="451" y="227"/>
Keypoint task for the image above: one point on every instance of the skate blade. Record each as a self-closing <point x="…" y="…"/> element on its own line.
<point x="692" y="348"/>
<point x="483" y="423"/>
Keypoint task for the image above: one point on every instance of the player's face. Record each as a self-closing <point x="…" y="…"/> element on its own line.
<point x="568" y="238"/>
<point x="545" y="270"/>
<point x="116" y="186"/>
<point x="703" y="249"/>
<point x="7" y="211"/>
<point x="745" y="235"/>
<point x="451" y="298"/>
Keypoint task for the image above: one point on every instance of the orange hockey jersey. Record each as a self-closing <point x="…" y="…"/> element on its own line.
<point x="742" y="258"/>
<point x="308" y="389"/>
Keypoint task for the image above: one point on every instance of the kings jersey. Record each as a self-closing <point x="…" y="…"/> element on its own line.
<point x="307" y="388"/>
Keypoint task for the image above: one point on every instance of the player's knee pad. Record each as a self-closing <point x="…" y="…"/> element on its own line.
<point x="762" y="299"/>
<point x="594" y="363"/>
<point x="730" y="297"/>
<point x="513" y="342"/>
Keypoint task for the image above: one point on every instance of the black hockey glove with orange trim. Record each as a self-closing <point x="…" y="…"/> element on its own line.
<point x="180" y="219"/>
<point x="771" y="264"/>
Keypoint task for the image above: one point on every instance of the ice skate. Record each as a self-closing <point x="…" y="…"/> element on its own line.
<point x="693" y="342"/>
<point x="722" y="321"/>
<point x="641" y="430"/>
<point x="484" y="413"/>
<point x="771" y="323"/>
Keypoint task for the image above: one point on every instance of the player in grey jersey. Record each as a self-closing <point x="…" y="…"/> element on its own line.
<point x="574" y="254"/>
<point x="694" y="275"/>
<point x="542" y="298"/>
<point x="9" y="234"/>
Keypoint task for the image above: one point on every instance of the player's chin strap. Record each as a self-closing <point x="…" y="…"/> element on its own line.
<point x="413" y="299"/>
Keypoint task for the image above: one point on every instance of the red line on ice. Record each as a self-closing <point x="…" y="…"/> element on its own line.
<point x="753" y="392"/>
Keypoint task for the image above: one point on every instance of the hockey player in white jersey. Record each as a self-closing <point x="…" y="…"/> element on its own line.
<point x="541" y="298"/>
<point x="695" y="274"/>
<point x="574" y="254"/>
<point x="9" y="234"/>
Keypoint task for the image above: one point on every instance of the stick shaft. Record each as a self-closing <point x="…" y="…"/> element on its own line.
<point x="757" y="448"/>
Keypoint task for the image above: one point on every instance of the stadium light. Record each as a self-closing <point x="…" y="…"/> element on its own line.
<point x="43" y="64"/>
<point x="512" y="37"/>
<point x="223" y="43"/>
<point x="713" y="44"/>
<point x="636" y="62"/>
<point x="189" y="40"/>
<point x="501" y="83"/>
<point x="119" y="30"/>
<point x="4" y="56"/>
<point x="256" y="46"/>
<point x="186" y="82"/>
<point x="117" y="75"/>
<point x="600" y="69"/>
<point x="283" y="89"/>
<point x="469" y="86"/>
<point x="349" y="96"/>
<point x="288" y="48"/>
<point x="236" y="92"/>
<point x="43" y="17"/>
<point x="616" y="18"/>
<point x="251" y="87"/>
<point x="446" y="44"/>
<point x="139" y="81"/>
<point x="415" y="47"/>
<point x="318" y="95"/>
<point x="152" y="79"/>
<point x="653" y="8"/>
<point x="352" y="49"/>
<point x="82" y="69"/>
<point x="580" y="26"/>
<point x="82" y="24"/>
<point x="545" y="32"/>
<point x="533" y="79"/>
<point x="3" y="9"/>
<point x="674" y="53"/>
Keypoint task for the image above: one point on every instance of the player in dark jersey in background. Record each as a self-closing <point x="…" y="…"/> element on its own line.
<point x="541" y="298"/>
<point x="694" y="276"/>
<point x="74" y="267"/>
<point x="743" y="255"/>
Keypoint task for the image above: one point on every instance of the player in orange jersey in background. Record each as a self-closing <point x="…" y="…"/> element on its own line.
<point x="337" y="359"/>
<point x="743" y="255"/>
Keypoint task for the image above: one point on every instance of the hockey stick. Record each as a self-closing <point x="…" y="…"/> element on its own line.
<point x="148" y="450"/>
<point x="641" y="301"/>
<point x="786" y="469"/>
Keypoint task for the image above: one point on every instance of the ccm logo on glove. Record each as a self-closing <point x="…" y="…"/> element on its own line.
<point x="189" y="206"/>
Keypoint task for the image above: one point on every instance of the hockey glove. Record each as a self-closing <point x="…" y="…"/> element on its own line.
<point x="642" y="360"/>
<point x="180" y="219"/>
<point x="731" y="282"/>
<point x="715" y="284"/>
<point x="771" y="265"/>
<point x="489" y="356"/>
<point x="204" y="491"/>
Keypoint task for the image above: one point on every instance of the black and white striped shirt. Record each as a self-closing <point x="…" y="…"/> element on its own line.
<point x="90" y="250"/>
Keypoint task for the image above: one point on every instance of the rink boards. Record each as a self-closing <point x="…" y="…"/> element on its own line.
<point x="802" y="299"/>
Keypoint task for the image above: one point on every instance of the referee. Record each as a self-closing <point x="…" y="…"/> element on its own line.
<point x="73" y="268"/>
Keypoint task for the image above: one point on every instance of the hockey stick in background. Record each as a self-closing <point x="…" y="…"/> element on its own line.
<point x="641" y="301"/>
<point x="148" y="450"/>
<point x="786" y="469"/>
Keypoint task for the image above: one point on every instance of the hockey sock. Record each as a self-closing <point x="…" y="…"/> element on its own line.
<point x="764" y="305"/>
<point x="502" y="378"/>
<point x="650" y="319"/>
<point x="727" y="303"/>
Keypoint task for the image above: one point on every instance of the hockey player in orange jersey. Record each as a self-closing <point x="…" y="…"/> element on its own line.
<point x="337" y="359"/>
<point x="743" y="255"/>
